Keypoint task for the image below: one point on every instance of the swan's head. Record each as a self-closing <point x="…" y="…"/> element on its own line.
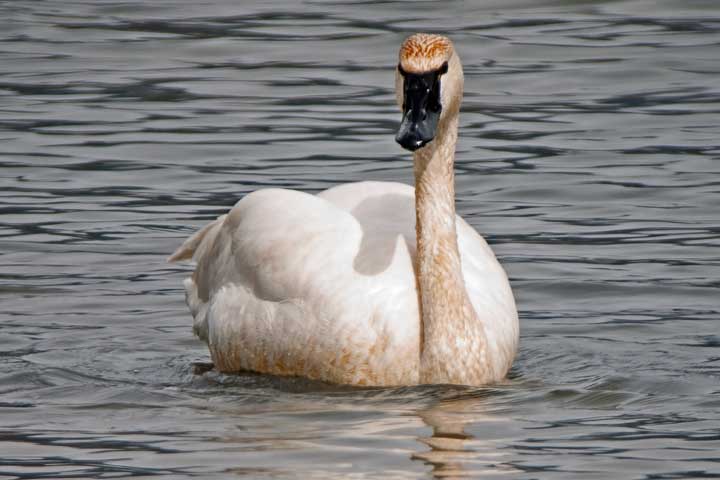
<point x="428" y="85"/>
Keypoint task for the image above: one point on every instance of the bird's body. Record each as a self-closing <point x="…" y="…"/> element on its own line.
<point x="324" y="286"/>
<point x="371" y="283"/>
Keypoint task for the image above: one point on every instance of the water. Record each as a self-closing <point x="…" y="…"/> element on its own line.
<point x="589" y="158"/>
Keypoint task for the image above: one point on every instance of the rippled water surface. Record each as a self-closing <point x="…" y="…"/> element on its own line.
<point x="589" y="158"/>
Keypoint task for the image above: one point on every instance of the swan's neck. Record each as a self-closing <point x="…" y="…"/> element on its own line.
<point x="453" y="345"/>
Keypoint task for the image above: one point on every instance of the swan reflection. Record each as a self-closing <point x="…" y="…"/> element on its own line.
<point x="457" y="453"/>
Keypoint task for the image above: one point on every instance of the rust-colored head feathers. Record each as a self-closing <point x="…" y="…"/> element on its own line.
<point x="424" y="52"/>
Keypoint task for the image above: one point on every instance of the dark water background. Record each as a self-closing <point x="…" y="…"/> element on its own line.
<point x="589" y="158"/>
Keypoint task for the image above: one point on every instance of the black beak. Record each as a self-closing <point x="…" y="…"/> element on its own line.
<point x="421" y="109"/>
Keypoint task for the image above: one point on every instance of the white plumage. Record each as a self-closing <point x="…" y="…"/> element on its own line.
<point x="327" y="286"/>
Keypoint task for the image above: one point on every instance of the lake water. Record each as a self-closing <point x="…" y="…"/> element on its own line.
<point x="589" y="158"/>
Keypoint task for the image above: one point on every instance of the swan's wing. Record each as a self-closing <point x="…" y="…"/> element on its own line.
<point x="291" y="283"/>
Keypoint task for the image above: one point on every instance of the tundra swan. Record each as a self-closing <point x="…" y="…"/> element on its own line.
<point x="370" y="283"/>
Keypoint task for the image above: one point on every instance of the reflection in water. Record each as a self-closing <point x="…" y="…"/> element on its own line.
<point x="454" y="452"/>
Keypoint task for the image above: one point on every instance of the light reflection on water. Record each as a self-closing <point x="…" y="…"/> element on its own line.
<point x="588" y="158"/>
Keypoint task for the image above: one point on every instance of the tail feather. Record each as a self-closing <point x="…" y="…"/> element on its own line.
<point x="187" y="250"/>
<point x="196" y="294"/>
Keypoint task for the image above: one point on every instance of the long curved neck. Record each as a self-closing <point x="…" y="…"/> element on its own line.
<point x="453" y="342"/>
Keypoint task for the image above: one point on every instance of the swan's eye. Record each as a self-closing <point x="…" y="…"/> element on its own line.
<point x="401" y="71"/>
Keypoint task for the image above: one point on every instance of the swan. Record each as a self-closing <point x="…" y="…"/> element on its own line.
<point x="369" y="283"/>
